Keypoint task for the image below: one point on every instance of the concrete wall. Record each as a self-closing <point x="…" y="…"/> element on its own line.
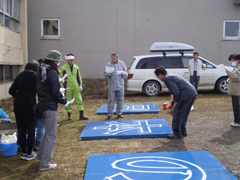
<point x="93" y="29"/>
<point x="13" y="47"/>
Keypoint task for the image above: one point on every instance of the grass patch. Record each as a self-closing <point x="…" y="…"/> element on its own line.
<point x="208" y="129"/>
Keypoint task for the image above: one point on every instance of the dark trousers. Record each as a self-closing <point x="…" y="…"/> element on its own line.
<point x="180" y="115"/>
<point x="236" y="110"/>
<point x="194" y="80"/>
<point x="26" y="125"/>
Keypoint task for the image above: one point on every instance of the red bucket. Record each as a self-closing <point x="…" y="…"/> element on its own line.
<point x="165" y="106"/>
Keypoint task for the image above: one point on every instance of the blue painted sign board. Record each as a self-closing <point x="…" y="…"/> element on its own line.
<point x="131" y="109"/>
<point x="143" y="128"/>
<point x="195" y="165"/>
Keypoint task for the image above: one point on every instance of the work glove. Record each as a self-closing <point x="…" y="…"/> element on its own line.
<point x="62" y="90"/>
<point x="66" y="105"/>
<point x="61" y="80"/>
<point x="80" y="88"/>
<point x="69" y="102"/>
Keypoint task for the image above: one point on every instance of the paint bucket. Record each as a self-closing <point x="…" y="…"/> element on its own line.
<point x="165" y="106"/>
<point x="9" y="149"/>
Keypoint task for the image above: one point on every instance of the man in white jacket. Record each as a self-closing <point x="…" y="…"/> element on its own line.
<point x="195" y="68"/>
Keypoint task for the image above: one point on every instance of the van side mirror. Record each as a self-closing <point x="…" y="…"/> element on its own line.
<point x="204" y="66"/>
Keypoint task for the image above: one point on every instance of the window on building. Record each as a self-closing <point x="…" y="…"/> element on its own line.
<point x="10" y="14"/>
<point x="50" y="28"/>
<point x="1" y="18"/>
<point x="231" y="30"/>
<point x="8" y="72"/>
<point x="1" y="73"/>
<point x="1" y="5"/>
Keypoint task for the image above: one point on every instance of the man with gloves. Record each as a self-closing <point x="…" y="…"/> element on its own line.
<point x="115" y="72"/>
<point x="73" y="84"/>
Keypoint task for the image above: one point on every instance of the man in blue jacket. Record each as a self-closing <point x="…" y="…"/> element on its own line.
<point x="184" y="96"/>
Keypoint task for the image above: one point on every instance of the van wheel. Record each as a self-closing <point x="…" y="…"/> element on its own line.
<point x="222" y="85"/>
<point x="151" y="88"/>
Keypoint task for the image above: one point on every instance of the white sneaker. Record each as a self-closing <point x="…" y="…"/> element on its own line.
<point x="30" y="157"/>
<point x="235" y="124"/>
<point x="52" y="166"/>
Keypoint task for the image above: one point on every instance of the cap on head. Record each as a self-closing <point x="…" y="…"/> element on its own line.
<point x="54" y="55"/>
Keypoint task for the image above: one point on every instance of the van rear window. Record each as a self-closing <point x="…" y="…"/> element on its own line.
<point x="147" y="63"/>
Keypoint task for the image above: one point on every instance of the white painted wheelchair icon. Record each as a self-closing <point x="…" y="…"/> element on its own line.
<point x="154" y="164"/>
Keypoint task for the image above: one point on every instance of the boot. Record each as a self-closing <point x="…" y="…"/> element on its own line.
<point x="69" y="116"/>
<point x="82" y="117"/>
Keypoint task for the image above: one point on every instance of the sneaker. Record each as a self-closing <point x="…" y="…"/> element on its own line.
<point x="23" y="156"/>
<point x="235" y="124"/>
<point x="109" y="117"/>
<point x="30" y="157"/>
<point x="52" y="166"/>
<point x="120" y="116"/>
<point x="35" y="149"/>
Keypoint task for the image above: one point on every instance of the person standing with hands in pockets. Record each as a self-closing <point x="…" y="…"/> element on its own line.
<point x="234" y="87"/>
<point x="195" y="69"/>
<point x="73" y="85"/>
<point x="115" y="72"/>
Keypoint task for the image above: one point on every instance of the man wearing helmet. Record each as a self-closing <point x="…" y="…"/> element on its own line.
<point x="73" y="84"/>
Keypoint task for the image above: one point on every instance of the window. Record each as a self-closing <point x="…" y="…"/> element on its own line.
<point x="1" y="18"/>
<point x="8" y="72"/>
<point x="231" y="30"/>
<point x="1" y="72"/>
<point x="10" y="14"/>
<point x="186" y="60"/>
<point x="1" y="5"/>
<point x="170" y="62"/>
<point x="50" y="29"/>
<point x="147" y="63"/>
<point x="208" y="65"/>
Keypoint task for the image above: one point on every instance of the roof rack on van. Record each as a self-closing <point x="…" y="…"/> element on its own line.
<point x="170" y="47"/>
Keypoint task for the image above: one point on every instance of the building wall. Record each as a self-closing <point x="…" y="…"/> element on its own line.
<point x="93" y="29"/>
<point x="13" y="47"/>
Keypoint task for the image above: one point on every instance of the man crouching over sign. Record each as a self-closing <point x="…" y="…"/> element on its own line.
<point x="184" y="95"/>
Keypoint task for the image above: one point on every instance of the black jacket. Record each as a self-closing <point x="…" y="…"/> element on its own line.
<point x="48" y="90"/>
<point x="23" y="90"/>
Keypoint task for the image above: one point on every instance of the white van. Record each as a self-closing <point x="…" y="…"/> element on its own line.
<point x="141" y="75"/>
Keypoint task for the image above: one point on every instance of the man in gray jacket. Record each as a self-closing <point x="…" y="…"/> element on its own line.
<point x="184" y="95"/>
<point x="115" y="84"/>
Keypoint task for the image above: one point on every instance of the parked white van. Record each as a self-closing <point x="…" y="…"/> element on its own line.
<point x="141" y="75"/>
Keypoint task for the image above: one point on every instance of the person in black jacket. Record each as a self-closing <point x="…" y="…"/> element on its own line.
<point x="48" y="89"/>
<point x="23" y="90"/>
<point x="184" y="95"/>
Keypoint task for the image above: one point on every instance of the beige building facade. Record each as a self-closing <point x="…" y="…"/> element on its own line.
<point x="93" y="29"/>
<point x="13" y="42"/>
